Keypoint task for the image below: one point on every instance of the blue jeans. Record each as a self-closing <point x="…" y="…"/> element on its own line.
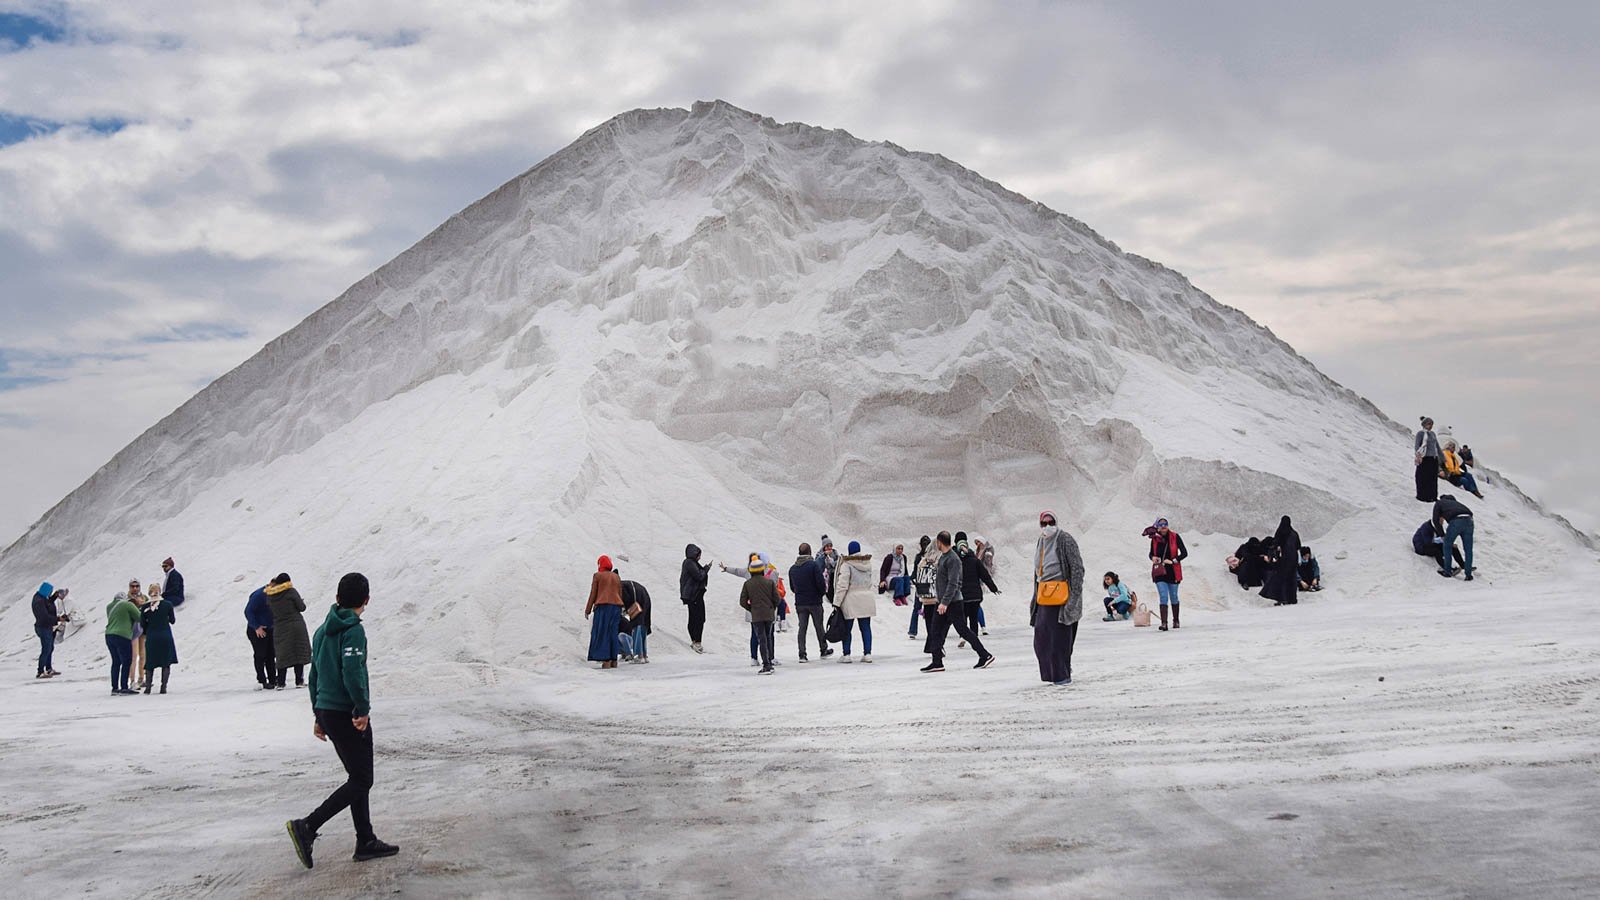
<point x="1168" y="592"/>
<point x="47" y="646"/>
<point x="1468" y="482"/>
<point x="121" y="660"/>
<point x="638" y="641"/>
<point x="916" y="613"/>
<point x="981" y="622"/>
<point x="866" y="637"/>
<point x="1458" y="528"/>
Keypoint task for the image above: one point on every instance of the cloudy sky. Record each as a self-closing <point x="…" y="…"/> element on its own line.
<point x="1407" y="192"/>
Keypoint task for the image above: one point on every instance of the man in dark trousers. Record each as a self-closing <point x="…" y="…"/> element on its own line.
<point x="258" y="628"/>
<point x="809" y="586"/>
<point x="172" y="585"/>
<point x="45" y="619"/>
<point x="1453" y="519"/>
<point x="341" y="705"/>
<point x="947" y="587"/>
<point x="692" y="591"/>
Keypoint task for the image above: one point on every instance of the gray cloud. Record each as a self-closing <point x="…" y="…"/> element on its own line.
<point x="1408" y="195"/>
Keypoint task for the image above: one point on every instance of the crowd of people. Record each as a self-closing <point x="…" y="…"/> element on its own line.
<point x="1450" y="523"/>
<point x="138" y="630"/>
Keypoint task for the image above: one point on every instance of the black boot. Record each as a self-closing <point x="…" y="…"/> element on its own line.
<point x="374" y="849"/>
<point x="1174" y="615"/>
<point x="1163" y="619"/>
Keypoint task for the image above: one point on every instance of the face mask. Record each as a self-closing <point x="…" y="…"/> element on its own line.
<point x="1048" y="531"/>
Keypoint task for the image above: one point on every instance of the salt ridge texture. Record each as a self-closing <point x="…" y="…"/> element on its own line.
<point x="703" y="325"/>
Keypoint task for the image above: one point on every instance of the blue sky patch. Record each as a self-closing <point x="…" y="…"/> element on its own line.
<point x="15" y="129"/>
<point x="18" y="31"/>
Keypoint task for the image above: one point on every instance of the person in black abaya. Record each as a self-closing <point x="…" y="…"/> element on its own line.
<point x="1282" y="584"/>
<point x="1250" y="555"/>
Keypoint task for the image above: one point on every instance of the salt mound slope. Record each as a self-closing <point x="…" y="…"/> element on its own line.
<point x="705" y="325"/>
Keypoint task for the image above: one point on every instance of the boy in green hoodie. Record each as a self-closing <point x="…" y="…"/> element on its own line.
<point x="340" y="704"/>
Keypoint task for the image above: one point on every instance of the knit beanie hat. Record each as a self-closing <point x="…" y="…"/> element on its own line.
<point x="757" y="566"/>
<point x="605" y="563"/>
<point x="353" y="591"/>
<point x="826" y="542"/>
<point x="854" y="548"/>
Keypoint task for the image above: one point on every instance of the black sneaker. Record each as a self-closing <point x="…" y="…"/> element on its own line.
<point x="765" y="670"/>
<point x="374" y="849"/>
<point x="302" y="836"/>
<point x="933" y="667"/>
<point x="986" y="662"/>
<point x="828" y="652"/>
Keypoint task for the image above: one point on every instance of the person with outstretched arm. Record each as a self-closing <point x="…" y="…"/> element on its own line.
<point x="341" y="706"/>
<point x="692" y="580"/>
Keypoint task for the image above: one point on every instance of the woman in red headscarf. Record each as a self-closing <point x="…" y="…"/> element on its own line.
<point x="604" y="611"/>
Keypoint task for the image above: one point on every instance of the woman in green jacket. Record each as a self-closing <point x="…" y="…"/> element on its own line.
<point x="121" y="616"/>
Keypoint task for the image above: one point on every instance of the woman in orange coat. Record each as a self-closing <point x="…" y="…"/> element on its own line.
<point x="604" y="612"/>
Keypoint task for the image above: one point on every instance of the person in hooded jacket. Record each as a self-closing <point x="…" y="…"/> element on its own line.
<point x="45" y="619"/>
<point x="258" y="629"/>
<point x="692" y="581"/>
<point x="291" y="646"/>
<point x="974" y="575"/>
<point x="1283" y="576"/>
<point x="809" y="587"/>
<point x="1055" y="628"/>
<point x="854" y="598"/>
<point x="1167" y="554"/>
<point x="341" y="709"/>
<point x="605" y="607"/>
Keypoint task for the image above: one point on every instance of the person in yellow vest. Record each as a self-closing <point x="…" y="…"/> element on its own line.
<point x="1456" y="471"/>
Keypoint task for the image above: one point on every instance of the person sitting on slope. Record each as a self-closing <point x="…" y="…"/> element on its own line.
<point x="1456" y="472"/>
<point x="1310" y="571"/>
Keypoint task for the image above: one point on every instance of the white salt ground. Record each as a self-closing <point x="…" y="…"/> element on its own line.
<point x="1253" y="753"/>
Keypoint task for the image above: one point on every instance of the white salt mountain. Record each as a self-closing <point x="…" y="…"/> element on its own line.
<point x="703" y="325"/>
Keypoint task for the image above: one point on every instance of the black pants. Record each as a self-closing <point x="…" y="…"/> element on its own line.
<point x="973" y="610"/>
<point x="811" y="616"/>
<point x="355" y="752"/>
<point x="266" y="666"/>
<point x="299" y="676"/>
<point x="763" y="632"/>
<point x="1428" y="479"/>
<point x="697" y="619"/>
<point x="940" y="631"/>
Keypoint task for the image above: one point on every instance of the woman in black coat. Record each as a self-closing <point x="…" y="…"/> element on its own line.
<point x="1282" y="575"/>
<point x="1250" y="555"/>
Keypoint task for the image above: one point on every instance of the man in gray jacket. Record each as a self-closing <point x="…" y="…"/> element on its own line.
<point x="947" y="587"/>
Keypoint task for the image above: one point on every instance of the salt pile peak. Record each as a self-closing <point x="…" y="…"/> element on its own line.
<point x="706" y="325"/>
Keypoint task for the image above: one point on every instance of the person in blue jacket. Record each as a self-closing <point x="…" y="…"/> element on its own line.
<point x="258" y="628"/>
<point x="172" y="585"/>
<point x="810" y="585"/>
<point x="45" y="619"/>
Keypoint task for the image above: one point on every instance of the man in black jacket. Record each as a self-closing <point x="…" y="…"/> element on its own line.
<point x="45" y="619"/>
<point x="1453" y="519"/>
<point x="692" y="591"/>
<point x="172" y="585"/>
<point x="974" y="575"/>
<point x="809" y="586"/>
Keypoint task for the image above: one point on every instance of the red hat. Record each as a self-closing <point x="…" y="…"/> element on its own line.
<point x="605" y="563"/>
<point x="1048" y="514"/>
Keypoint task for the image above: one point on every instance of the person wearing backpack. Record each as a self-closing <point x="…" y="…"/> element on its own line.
<point x="1057" y="604"/>
<point x="853" y="597"/>
<point x="805" y="578"/>
<point x="1167" y="554"/>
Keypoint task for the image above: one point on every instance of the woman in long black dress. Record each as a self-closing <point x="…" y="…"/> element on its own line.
<point x="1282" y="586"/>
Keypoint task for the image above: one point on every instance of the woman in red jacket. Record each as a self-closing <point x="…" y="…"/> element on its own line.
<point x="1167" y="554"/>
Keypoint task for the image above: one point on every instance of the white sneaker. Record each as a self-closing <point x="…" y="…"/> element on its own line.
<point x="755" y="662"/>
<point x="696" y="647"/>
<point x="866" y="657"/>
<point x="846" y="659"/>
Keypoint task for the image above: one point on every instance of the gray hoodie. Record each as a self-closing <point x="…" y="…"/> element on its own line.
<point x="947" y="579"/>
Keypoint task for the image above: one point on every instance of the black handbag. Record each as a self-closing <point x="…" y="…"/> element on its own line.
<point x="838" y="627"/>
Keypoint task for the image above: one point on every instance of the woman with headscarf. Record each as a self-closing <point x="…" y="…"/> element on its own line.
<point x="1283" y="573"/>
<point x="1167" y="554"/>
<point x="604" y="610"/>
<point x="1427" y="455"/>
<point x="1057" y="564"/>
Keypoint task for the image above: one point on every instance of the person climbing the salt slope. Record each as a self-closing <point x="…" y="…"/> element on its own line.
<point x="759" y="598"/>
<point x="341" y="711"/>
<point x="1057" y="604"/>
<point x="985" y="550"/>
<point x="605" y="608"/>
<point x="771" y="575"/>
<point x="974" y="575"/>
<point x="947" y="588"/>
<point x="121" y="614"/>
<point x="807" y="583"/>
<point x="854" y="598"/>
<point x="892" y="575"/>
<point x="1453" y="519"/>
<point x="160" y="650"/>
<point x="1118" y="600"/>
<point x="1167" y="554"/>
<point x="45" y="619"/>
<point x="172" y="583"/>
<point x="922" y="569"/>
<point x="291" y="646"/>
<point x="1456" y="472"/>
<point x="1427" y="454"/>
<point x="1425" y="541"/>
<point x="1310" y="571"/>
<point x="692" y="580"/>
<point x="1283" y="571"/>
<point x="258" y="630"/>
